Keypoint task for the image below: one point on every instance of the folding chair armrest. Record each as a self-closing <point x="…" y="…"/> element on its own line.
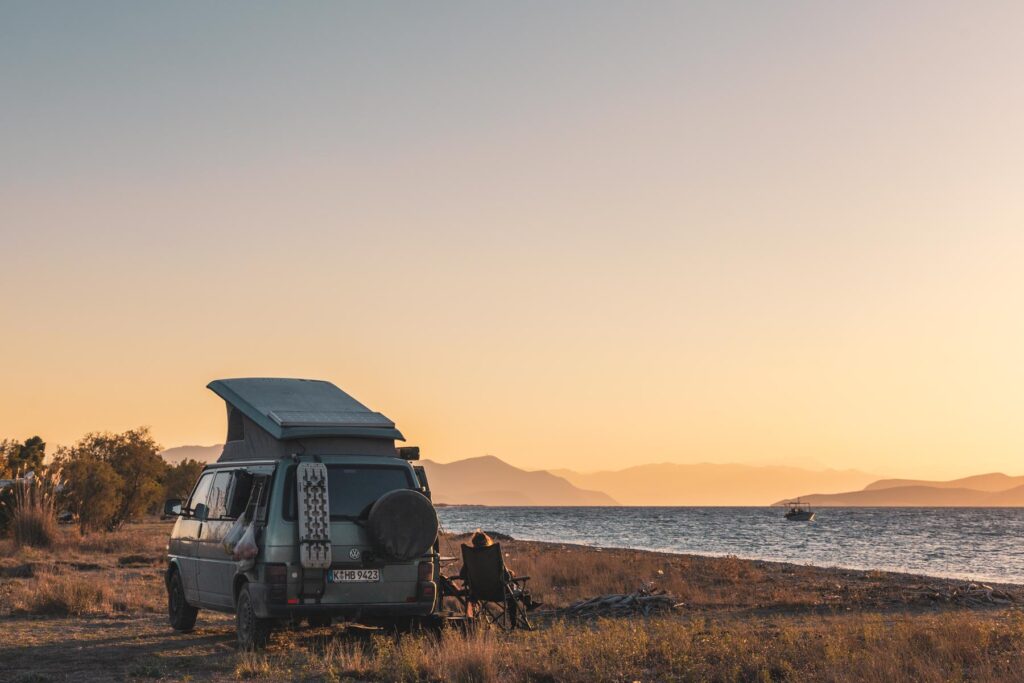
<point x="518" y="579"/>
<point x="448" y="586"/>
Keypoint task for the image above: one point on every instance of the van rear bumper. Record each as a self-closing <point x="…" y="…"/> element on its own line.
<point x="268" y="610"/>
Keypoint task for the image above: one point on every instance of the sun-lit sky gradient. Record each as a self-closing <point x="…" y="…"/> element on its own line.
<point x="569" y="234"/>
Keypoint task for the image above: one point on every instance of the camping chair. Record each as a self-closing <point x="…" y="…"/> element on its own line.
<point x="491" y="591"/>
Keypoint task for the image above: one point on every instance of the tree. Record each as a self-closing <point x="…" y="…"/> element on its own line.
<point x="7" y="447"/>
<point x="92" y="491"/>
<point x="180" y="478"/>
<point x="18" y="458"/>
<point x="132" y="461"/>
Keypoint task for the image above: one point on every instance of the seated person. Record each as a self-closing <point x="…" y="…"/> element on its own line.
<point x="480" y="539"/>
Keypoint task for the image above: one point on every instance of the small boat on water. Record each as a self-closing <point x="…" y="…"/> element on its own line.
<point x="799" y="512"/>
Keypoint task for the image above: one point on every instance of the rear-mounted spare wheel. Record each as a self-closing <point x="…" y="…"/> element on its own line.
<point x="403" y="524"/>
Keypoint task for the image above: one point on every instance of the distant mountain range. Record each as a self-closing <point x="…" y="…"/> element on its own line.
<point x="983" y="490"/>
<point x="487" y="480"/>
<point x="996" y="481"/>
<point x="712" y="484"/>
<point x="200" y="453"/>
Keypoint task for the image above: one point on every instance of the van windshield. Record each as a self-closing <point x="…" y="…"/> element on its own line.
<point x="352" y="489"/>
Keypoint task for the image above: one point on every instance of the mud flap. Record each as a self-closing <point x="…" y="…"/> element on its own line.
<point x="314" y="516"/>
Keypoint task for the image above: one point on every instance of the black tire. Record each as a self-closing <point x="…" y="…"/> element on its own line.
<point x="403" y="524"/>
<point x="181" y="614"/>
<point x="253" y="632"/>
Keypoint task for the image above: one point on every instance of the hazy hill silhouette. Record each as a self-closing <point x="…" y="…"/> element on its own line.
<point x="200" y="453"/>
<point x="994" y="481"/>
<point x="488" y="480"/>
<point x="983" y="490"/>
<point x="1010" y="498"/>
<point x="712" y="484"/>
<point x="920" y="496"/>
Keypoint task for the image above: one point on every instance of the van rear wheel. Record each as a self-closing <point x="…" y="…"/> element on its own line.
<point x="253" y="632"/>
<point x="181" y="614"/>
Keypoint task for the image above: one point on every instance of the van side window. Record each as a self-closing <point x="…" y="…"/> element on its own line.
<point x="219" y="495"/>
<point x="240" y="492"/>
<point x="201" y="491"/>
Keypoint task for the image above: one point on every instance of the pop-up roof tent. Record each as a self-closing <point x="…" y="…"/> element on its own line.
<point x="271" y="418"/>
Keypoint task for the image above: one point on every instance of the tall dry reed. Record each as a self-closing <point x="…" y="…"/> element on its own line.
<point x="34" y="513"/>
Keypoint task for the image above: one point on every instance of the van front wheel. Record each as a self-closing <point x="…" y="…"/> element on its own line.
<point x="253" y="632"/>
<point x="181" y="614"/>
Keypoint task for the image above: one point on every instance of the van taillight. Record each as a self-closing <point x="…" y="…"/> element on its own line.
<point x="425" y="576"/>
<point x="276" y="577"/>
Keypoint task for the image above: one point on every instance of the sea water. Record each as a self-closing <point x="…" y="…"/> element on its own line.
<point x="969" y="543"/>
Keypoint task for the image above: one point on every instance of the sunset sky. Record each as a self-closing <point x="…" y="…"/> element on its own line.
<point x="580" y="235"/>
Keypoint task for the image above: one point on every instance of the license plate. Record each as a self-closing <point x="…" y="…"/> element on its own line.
<point x="354" y="575"/>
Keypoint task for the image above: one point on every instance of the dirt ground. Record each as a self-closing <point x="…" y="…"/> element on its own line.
<point x="115" y="648"/>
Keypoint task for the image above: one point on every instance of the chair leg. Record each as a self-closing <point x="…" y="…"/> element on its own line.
<point x="524" y="620"/>
<point x="496" y="614"/>
<point x="517" y="610"/>
<point x="507" y="619"/>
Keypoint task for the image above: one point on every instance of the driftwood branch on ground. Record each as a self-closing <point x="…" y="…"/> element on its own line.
<point x="642" y="602"/>
<point x="974" y="594"/>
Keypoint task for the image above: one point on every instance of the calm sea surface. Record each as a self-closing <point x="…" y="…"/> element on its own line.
<point x="977" y="543"/>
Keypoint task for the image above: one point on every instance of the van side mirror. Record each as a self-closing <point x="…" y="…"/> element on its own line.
<point x="201" y="512"/>
<point x="172" y="507"/>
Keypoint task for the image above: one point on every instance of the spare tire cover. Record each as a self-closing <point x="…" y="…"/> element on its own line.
<point x="403" y="524"/>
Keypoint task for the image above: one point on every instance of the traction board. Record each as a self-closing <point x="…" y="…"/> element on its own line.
<point x="314" y="515"/>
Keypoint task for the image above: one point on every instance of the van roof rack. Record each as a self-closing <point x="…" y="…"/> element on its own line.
<point x="302" y="408"/>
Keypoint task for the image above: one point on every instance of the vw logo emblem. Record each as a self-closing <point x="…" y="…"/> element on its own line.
<point x="354" y="553"/>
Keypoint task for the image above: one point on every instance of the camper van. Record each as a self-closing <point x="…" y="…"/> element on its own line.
<point x="310" y="514"/>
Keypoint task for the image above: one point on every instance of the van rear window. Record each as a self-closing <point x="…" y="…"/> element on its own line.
<point x="352" y="489"/>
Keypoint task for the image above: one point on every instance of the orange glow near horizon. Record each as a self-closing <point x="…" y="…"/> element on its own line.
<point x="568" y="239"/>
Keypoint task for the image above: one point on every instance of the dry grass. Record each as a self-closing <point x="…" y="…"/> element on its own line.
<point x="71" y="593"/>
<point x="134" y="539"/>
<point x="955" y="646"/>
<point x="60" y="595"/>
<point x="78" y="575"/>
<point x="961" y="646"/>
<point x="34" y="513"/>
